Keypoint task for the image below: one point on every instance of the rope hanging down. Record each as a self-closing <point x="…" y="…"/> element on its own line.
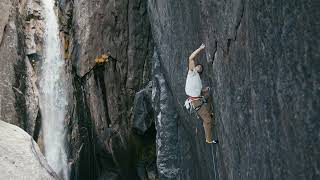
<point x="214" y="163"/>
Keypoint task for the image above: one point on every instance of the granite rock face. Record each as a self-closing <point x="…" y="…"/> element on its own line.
<point x="11" y="53"/>
<point x="142" y="115"/>
<point x="261" y="62"/>
<point x="18" y="92"/>
<point x="20" y="156"/>
<point x="166" y="125"/>
<point x="265" y="82"/>
<point x="102" y="143"/>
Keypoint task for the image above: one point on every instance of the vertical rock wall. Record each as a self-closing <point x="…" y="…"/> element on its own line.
<point x="264" y="77"/>
<point x="261" y="62"/>
<point x="102" y="143"/>
<point x="18" y="92"/>
<point x="11" y="54"/>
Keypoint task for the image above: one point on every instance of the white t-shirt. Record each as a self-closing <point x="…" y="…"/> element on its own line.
<point x="193" y="84"/>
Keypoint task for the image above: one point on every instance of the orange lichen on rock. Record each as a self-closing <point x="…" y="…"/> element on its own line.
<point x="102" y="58"/>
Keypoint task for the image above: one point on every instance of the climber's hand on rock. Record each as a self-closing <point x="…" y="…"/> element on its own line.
<point x="206" y="92"/>
<point x="202" y="46"/>
<point x="206" y="89"/>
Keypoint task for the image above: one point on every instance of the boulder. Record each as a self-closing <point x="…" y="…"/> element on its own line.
<point x="20" y="157"/>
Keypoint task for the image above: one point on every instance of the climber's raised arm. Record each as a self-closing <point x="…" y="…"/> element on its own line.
<point x="194" y="55"/>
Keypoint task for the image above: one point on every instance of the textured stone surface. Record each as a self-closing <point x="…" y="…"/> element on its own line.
<point x="9" y="55"/>
<point x="265" y="81"/>
<point x="100" y="27"/>
<point x="176" y="35"/>
<point x="142" y="115"/>
<point x="104" y="93"/>
<point x="18" y="92"/>
<point x="166" y="125"/>
<point x="20" y="157"/>
<point x="34" y="28"/>
<point x="264" y="78"/>
<point x="5" y="12"/>
<point x="144" y="134"/>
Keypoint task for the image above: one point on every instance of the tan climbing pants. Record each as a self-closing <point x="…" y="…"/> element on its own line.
<point x="205" y="114"/>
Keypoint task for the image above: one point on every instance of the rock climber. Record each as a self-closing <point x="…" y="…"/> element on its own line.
<point x="198" y="96"/>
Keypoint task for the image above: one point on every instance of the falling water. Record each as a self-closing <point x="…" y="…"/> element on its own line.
<point x="53" y="98"/>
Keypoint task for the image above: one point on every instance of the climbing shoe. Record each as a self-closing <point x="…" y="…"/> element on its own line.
<point x="212" y="142"/>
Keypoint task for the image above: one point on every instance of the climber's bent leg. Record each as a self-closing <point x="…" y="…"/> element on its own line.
<point x="204" y="111"/>
<point x="205" y="114"/>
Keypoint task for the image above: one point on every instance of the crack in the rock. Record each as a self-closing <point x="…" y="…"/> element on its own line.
<point x="37" y="126"/>
<point x="2" y="38"/>
<point x="228" y="45"/>
<point x="240" y="20"/>
<point x="236" y="28"/>
<point x="213" y="58"/>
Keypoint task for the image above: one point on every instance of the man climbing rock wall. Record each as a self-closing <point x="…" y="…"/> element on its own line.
<point x="265" y="79"/>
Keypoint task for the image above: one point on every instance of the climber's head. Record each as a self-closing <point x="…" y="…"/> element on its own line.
<point x="199" y="68"/>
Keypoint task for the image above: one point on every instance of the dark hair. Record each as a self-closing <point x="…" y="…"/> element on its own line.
<point x="201" y="68"/>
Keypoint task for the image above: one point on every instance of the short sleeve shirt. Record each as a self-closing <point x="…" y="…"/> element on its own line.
<point x="193" y="84"/>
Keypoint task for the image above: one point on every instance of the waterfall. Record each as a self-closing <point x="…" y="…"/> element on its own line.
<point x="53" y="95"/>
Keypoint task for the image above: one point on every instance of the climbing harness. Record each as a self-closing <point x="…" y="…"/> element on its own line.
<point x="194" y="107"/>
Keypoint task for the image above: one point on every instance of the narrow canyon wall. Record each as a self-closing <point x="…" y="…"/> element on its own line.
<point x="126" y="118"/>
